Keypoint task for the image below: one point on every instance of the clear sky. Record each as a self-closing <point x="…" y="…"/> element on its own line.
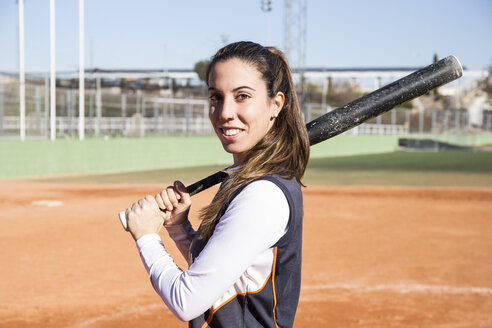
<point x="176" y="34"/>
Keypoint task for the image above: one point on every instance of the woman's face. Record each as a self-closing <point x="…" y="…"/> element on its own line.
<point x="240" y="110"/>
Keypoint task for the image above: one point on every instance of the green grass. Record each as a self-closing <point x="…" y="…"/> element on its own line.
<point x="470" y="162"/>
<point x="35" y="158"/>
<point x="98" y="155"/>
<point x="445" y="169"/>
<point x="344" y="160"/>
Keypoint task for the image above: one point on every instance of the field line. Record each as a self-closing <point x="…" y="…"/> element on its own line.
<point x="398" y="288"/>
<point x="124" y="312"/>
<point x="402" y="288"/>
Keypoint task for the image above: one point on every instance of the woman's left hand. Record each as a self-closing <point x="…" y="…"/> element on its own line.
<point x="144" y="217"/>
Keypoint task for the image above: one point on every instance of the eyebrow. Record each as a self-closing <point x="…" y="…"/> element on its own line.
<point x="234" y="90"/>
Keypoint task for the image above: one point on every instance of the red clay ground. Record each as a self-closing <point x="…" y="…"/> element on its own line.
<point x="373" y="257"/>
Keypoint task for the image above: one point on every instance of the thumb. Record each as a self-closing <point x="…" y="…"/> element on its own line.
<point x="181" y="189"/>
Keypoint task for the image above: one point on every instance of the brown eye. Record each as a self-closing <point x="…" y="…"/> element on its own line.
<point x="242" y="97"/>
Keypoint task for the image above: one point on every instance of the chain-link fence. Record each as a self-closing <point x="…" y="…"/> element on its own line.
<point x="405" y="121"/>
<point x="106" y="113"/>
<point x="112" y="112"/>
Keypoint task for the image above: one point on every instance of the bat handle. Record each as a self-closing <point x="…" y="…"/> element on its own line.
<point x="123" y="221"/>
<point x="193" y="189"/>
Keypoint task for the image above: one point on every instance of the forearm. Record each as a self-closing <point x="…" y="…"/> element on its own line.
<point x="187" y="294"/>
<point x="182" y="235"/>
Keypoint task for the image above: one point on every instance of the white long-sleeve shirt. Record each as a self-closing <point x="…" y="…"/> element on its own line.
<point x="238" y="257"/>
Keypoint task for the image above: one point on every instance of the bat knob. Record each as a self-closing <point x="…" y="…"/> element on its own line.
<point x="123" y="221"/>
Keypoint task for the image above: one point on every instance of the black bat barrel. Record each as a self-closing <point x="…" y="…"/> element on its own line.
<point x="384" y="99"/>
<point x="367" y="107"/>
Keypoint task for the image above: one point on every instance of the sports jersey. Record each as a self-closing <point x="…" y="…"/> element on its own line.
<point x="248" y="273"/>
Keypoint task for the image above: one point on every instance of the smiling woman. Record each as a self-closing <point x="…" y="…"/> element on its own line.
<point x="245" y="258"/>
<point x="241" y="115"/>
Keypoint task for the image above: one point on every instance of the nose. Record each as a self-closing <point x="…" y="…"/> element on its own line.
<point x="225" y="110"/>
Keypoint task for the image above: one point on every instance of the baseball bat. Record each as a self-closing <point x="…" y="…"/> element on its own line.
<point x="361" y="110"/>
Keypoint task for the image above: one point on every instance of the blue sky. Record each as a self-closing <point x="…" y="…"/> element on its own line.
<point x="176" y="34"/>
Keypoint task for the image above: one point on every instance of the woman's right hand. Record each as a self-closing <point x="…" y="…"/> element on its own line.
<point x="176" y="202"/>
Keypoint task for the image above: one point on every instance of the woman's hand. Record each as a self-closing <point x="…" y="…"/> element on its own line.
<point x="144" y="217"/>
<point x="169" y="207"/>
<point x="176" y="203"/>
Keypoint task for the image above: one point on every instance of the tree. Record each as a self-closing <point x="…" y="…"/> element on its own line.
<point x="201" y="69"/>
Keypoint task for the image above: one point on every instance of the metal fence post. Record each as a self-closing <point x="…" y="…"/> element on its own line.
<point x="142" y="121"/>
<point x="37" y="106"/>
<point x="421" y="121"/>
<point x="446" y="122"/>
<point x="98" y="106"/>
<point x="123" y="112"/>
<point x="308" y="113"/>
<point x="2" y="108"/>
<point x="69" y="111"/>
<point x="91" y="110"/>
<point x="165" y="117"/>
<point x="205" y="115"/>
<point x="457" y="121"/>
<point x="407" y="120"/>
<point x="187" y="117"/>
<point x="433" y="127"/>
<point x="156" y="115"/>
<point x="47" y="104"/>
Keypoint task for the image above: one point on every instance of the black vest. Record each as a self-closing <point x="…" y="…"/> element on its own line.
<point x="275" y="304"/>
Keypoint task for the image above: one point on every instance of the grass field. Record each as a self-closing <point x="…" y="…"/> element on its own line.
<point x="36" y="158"/>
<point x="445" y="169"/>
<point x="448" y="169"/>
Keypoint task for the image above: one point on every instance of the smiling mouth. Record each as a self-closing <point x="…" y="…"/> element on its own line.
<point x="230" y="132"/>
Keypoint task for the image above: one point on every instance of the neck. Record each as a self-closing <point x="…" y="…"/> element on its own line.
<point x="238" y="158"/>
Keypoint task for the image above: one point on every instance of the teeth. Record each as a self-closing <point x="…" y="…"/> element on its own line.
<point x="231" y="132"/>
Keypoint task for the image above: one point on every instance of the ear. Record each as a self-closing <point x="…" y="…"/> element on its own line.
<point x="277" y="103"/>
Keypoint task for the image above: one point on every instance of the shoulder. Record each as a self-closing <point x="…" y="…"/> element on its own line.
<point x="271" y="189"/>
<point x="260" y="208"/>
<point x="263" y="193"/>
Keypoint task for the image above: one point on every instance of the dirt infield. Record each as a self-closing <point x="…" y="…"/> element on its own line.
<point x="373" y="257"/>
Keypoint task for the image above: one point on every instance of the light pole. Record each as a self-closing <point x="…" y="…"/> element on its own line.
<point x="81" y="72"/>
<point x="22" y="84"/>
<point x="266" y="6"/>
<point x="52" y="72"/>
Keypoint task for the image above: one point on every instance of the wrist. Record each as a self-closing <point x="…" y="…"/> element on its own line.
<point x="141" y="234"/>
<point x="144" y="238"/>
<point x="176" y="221"/>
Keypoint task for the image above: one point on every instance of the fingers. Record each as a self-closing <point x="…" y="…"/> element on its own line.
<point x="165" y="199"/>
<point x="160" y="202"/>
<point x="182" y="192"/>
<point x="144" y="217"/>
<point x="148" y="202"/>
<point x="171" y="197"/>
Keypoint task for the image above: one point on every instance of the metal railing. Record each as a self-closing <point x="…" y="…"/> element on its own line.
<point x="137" y="114"/>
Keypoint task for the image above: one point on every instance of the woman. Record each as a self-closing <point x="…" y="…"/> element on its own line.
<point x="245" y="259"/>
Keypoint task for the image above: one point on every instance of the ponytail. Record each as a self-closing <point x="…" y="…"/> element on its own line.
<point x="285" y="148"/>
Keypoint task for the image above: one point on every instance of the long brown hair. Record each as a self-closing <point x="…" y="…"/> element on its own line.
<point x="285" y="148"/>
